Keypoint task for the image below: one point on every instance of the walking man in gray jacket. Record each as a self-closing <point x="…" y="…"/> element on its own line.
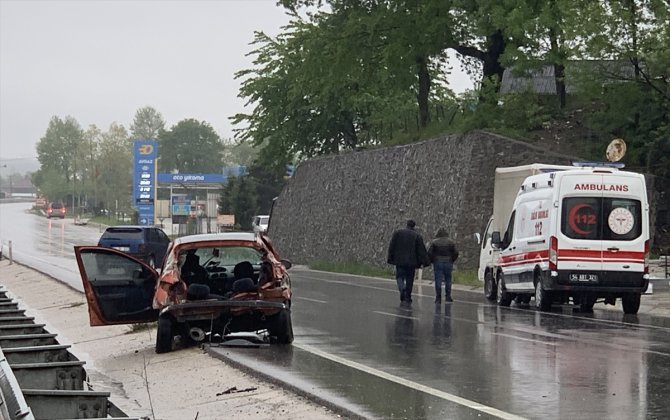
<point x="443" y="254"/>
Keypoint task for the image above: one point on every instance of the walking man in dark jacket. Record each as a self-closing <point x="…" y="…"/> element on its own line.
<point x="443" y="254"/>
<point x="407" y="252"/>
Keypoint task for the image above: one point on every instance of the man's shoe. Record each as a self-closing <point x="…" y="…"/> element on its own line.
<point x="448" y="299"/>
<point x="438" y="300"/>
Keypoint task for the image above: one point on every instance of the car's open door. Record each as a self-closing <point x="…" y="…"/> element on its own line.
<point x="119" y="288"/>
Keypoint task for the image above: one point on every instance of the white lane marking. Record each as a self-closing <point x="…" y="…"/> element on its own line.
<point x="311" y="300"/>
<point x="396" y="315"/>
<point x="411" y="384"/>
<point x="525" y="339"/>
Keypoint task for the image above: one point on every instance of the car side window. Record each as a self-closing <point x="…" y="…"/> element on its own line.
<point x="162" y="236"/>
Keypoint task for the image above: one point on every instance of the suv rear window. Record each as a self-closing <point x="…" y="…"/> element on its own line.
<point x="597" y="218"/>
<point x="123" y="233"/>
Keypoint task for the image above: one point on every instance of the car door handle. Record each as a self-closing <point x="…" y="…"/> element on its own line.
<point x="613" y="249"/>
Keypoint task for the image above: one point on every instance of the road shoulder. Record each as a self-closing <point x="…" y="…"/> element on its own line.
<point x="185" y="384"/>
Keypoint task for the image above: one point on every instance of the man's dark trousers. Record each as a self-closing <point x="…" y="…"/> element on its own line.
<point x="404" y="277"/>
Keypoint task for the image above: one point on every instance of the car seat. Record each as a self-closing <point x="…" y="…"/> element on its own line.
<point x="192" y="271"/>
<point x="244" y="277"/>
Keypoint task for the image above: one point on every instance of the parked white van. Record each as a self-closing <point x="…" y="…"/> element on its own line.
<point x="577" y="233"/>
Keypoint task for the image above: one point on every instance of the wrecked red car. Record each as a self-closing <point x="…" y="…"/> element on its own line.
<point x="210" y="285"/>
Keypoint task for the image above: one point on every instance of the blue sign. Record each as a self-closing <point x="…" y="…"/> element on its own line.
<point x="145" y="153"/>
<point x="181" y="205"/>
<point x="192" y="179"/>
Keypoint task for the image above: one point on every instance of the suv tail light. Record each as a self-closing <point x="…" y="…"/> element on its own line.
<point x="553" y="253"/>
<point x="646" y="256"/>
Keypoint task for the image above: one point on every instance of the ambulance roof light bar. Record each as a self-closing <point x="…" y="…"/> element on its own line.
<point x="586" y="164"/>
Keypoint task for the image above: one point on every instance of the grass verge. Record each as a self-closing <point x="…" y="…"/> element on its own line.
<point x="352" y="267"/>
<point x="465" y="277"/>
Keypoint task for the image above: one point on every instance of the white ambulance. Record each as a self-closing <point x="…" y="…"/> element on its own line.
<point x="575" y="233"/>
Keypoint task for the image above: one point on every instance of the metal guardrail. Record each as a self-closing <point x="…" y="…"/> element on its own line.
<point x="39" y="377"/>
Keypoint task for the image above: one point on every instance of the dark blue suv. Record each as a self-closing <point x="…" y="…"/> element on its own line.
<point x="146" y="243"/>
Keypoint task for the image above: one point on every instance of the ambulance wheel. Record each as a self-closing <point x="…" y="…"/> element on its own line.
<point x="587" y="304"/>
<point x="542" y="297"/>
<point x="489" y="286"/>
<point x="502" y="297"/>
<point x="631" y="303"/>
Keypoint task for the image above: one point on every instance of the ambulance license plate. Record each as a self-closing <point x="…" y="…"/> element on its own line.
<point x="583" y="277"/>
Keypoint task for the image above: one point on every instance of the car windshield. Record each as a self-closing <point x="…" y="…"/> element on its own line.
<point x="228" y="256"/>
<point x="122" y="233"/>
<point x="264" y="220"/>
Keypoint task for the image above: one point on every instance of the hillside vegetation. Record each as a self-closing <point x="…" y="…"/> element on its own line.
<point x="345" y="75"/>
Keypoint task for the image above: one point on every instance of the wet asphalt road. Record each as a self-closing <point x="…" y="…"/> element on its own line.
<point x="357" y="346"/>
<point x="45" y="244"/>
<point x="468" y="359"/>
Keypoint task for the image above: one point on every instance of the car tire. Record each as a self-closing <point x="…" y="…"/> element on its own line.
<point x="489" y="286"/>
<point x="503" y="298"/>
<point x="542" y="297"/>
<point x="631" y="303"/>
<point x="281" y="328"/>
<point x="164" y="334"/>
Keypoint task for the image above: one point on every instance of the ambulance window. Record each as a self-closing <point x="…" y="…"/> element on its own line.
<point x="487" y="234"/>
<point x="595" y="218"/>
<point x="581" y="218"/>
<point x="622" y="219"/>
<point x="509" y="234"/>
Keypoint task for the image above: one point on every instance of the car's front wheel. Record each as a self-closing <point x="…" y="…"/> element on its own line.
<point x="281" y="327"/>
<point x="164" y="334"/>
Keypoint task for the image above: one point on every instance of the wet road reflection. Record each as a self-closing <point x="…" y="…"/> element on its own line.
<point x="416" y="362"/>
<point x="45" y="244"/>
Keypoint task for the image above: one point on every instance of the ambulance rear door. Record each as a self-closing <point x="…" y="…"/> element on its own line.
<point x="580" y="245"/>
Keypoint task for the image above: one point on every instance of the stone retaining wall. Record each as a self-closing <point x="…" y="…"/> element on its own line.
<point x="345" y="207"/>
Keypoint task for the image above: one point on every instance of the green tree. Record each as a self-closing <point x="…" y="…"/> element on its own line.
<point x="57" y="149"/>
<point x="238" y="197"/>
<point x="190" y="146"/>
<point x="238" y="153"/>
<point x="341" y="80"/>
<point x="57" y="152"/>
<point x="115" y="168"/>
<point x="147" y="124"/>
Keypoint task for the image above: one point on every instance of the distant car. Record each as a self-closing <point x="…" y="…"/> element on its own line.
<point x="260" y="223"/>
<point x="146" y="243"/>
<point x="210" y="285"/>
<point x="56" y="210"/>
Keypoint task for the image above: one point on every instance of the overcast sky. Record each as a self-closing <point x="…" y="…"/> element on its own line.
<point x="100" y="61"/>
